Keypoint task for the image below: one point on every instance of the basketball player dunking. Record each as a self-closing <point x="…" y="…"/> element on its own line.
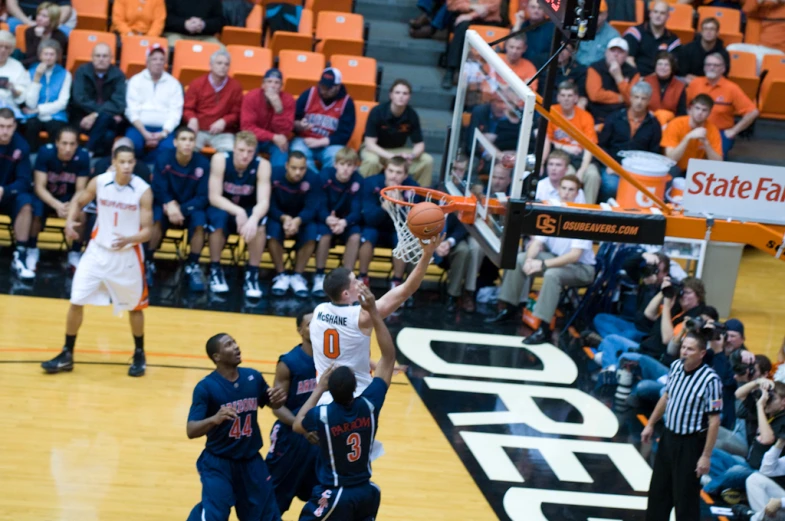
<point x="341" y="329"/>
<point x="112" y="268"/>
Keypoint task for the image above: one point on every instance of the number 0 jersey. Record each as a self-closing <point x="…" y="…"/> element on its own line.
<point x="337" y="339"/>
<point x="119" y="211"/>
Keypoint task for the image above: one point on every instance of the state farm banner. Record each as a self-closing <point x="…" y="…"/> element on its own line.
<point x="737" y="190"/>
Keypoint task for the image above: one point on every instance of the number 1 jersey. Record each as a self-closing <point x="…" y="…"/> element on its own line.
<point x="337" y="339"/>
<point x="119" y="209"/>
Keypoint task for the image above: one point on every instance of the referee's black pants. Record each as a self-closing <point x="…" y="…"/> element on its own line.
<point x="673" y="480"/>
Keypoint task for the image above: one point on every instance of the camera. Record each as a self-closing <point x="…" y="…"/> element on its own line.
<point x="741" y="368"/>
<point x="647" y="270"/>
<point x="674" y="290"/>
<point x="756" y="395"/>
<point x="710" y="331"/>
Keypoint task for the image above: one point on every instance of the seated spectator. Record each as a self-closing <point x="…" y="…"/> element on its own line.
<point x="498" y="183"/>
<point x="189" y="20"/>
<point x="594" y="50"/>
<point x="180" y="200"/>
<point x="633" y="128"/>
<point x="212" y="105"/>
<point x="556" y="168"/>
<point x="608" y="81"/>
<point x="729" y="101"/>
<point x="458" y="175"/>
<point x="390" y="126"/>
<point x="98" y="100"/>
<point x="268" y="112"/>
<point x="239" y="194"/>
<point x="339" y="214"/>
<point x="61" y="170"/>
<point x="669" y="93"/>
<point x="693" y="136"/>
<point x="138" y="17"/>
<point x="454" y="255"/>
<point x="764" y="489"/>
<point x="16" y="199"/>
<point x="294" y="203"/>
<point x="570" y="69"/>
<point x="772" y="17"/>
<point x="561" y="262"/>
<point x="539" y="39"/>
<point x="15" y="79"/>
<point x="514" y="49"/>
<point x="25" y="12"/>
<point x="378" y="226"/>
<point x="661" y="316"/>
<point x="693" y="55"/>
<point x="324" y="120"/>
<point x="580" y="158"/>
<point x="47" y="19"/>
<point x="105" y="163"/>
<point x="432" y="22"/>
<point x="154" y="104"/>
<point x="48" y="95"/>
<point x="486" y="118"/>
<point x="466" y="13"/>
<point x="648" y="39"/>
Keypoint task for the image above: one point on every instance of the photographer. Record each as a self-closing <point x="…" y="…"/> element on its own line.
<point x="765" y="491"/>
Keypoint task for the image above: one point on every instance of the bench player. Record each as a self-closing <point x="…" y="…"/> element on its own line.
<point x="347" y="428"/>
<point x="292" y="457"/>
<point x="112" y="268"/>
<point x="224" y="408"/>
<point x="341" y="329"/>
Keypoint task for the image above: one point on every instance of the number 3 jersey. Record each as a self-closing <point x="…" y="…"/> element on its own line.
<point x="119" y="211"/>
<point x="337" y="339"/>
<point x="236" y="439"/>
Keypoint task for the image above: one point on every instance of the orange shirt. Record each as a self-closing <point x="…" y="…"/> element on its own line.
<point x="581" y="120"/>
<point x="145" y="17"/>
<point x="680" y="127"/>
<point x="772" y="22"/>
<point x="635" y="124"/>
<point x="729" y="100"/>
<point x="524" y="69"/>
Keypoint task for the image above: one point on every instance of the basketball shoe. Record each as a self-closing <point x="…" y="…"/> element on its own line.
<point x="61" y="363"/>
<point x="139" y="364"/>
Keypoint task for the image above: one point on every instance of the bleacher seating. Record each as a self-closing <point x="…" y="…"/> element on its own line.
<point x="192" y="59"/>
<point x="743" y="72"/>
<point x="362" y="109"/>
<point x="81" y="43"/>
<point x="249" y="64"/>
<point x="301" y="70"/>
<point x="730" y="22"/>
<point x="302" y="40"/>
<point x="133" y="58"/>
<point x="772" y="91"/>
<point x="251" y="34"/>
<point x="359" y="75"/>
<point x="680" y="22"/>
<point x="92" y="15"/>
<point x="339" y="33"/>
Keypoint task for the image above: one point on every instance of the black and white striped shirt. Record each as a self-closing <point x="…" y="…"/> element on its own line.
<point x="692" y="397"/>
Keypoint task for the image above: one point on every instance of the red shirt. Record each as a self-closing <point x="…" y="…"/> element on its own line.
<point x="205" y="104"/>
<point x="258" y="116"/>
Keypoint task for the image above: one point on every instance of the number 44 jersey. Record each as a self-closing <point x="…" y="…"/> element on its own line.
<point x="337" y="339"/>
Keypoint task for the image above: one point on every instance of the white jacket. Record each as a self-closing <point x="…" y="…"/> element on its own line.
<point x="18" y="75"/>
<point x="155" y="104"/>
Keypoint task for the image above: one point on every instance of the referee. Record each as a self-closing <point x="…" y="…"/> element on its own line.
<point x="692" y="404"/>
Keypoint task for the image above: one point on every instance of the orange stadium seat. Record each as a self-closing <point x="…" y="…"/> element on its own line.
<point x="490" y="33"/>
<point x="92" y="15"/>
<point x="301" y="70"/>
<point x="752" y="31"/>
<point x="192" y="59"/>
<point x="21" y="44"/>
<point x="339" y="33"/>
<point x="343" y="6"/>
<point x="3" y="26"/>
<point x="772" y="91"/>
<point x="359" y="75"/>
<point x="681" y="21"/>
<point x="744" y="72"/>
<point x="293" y="2"/>
<point x="251" y="34"/>
<point x="134" y="56"/>
<point x="249" y="64"/>
<point x="623" y="26"/>
<point x="730" y="22"/>
<point x="81" y="43"/>
<point x="513" y="8"/>
<point x="362" y="109"/>
<point x="302" y="40"/>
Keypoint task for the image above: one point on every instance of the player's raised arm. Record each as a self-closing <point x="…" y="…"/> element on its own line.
<point x="386" y="365"/>
<point x="317" y="393"/>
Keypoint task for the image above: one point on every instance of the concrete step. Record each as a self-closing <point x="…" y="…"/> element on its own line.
<point x="389" y="42"/>
<point x="426" y="85"/>
<point x="388" y="10"/>
<point x="769" y="129"/>
<point x="758" y="151"/>
<point x="434" y="125"/>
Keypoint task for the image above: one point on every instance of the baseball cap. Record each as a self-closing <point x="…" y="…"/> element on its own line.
<point x="734" y="324"/>
<point x="273" y="73"/>
<point x="330" y="77"/>
<point x="156" y="47"/>
<point x="619" y="42"/>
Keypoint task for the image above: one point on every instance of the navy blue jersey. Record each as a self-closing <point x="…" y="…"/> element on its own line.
<point x="15" y="173"/>
<point x="240" y="187"/>
<point x="342" y="198"/>
<point x="61" y="175"/>
<point x="300" y="199"/>
<point x="302" y="379"/>
<point x="346" y="436"/>
<point x="187" y="184"/>
<point x="373" y="213"/>
<point x="241" y="438"/>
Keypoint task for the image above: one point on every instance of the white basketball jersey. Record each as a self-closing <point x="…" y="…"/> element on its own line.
<point x="337" y="339"/>
<point x="119" y="212"/>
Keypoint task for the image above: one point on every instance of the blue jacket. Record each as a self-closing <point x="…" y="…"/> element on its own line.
<point x="373" y="214"/>
<point x="538" y="43"/>
<point x="294" y="199"/>
<point x="345" y="199"/>
<point x="50" y="90"/>
<point x="16" y="174"/>
<point x="188" y="185"/>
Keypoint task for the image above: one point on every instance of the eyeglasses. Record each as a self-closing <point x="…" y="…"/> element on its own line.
<point x="713" y="65"/>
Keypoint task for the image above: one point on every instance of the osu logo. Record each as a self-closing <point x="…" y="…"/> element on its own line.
<point x="546" y="224"/>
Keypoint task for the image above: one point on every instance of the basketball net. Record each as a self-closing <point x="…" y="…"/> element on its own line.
<point x="409" y="248"/>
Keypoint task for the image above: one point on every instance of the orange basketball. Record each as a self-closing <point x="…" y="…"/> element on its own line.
<point x="425" y="220"/>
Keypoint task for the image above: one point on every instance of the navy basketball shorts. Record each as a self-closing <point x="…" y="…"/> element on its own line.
<point x="384" y="236"/>
<point x="292" y="464"/>
<point x="306" y="233"/>
<point x="12" y="204"/>
<point x="218" y="219"/>
<point x="359" y="503"/>
<point x="322" y="230"/>
<point x="196" y="219"/>
<point x="242" y="484"/>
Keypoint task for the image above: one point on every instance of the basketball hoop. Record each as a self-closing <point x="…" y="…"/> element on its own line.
<point x="399" y="200"/>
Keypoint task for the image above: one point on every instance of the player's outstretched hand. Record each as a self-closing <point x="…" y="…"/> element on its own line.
<point x="367" y="299"/>
<point x="429" y="248"/>
<point x="225" y="413"/>
<point x="323" y="381"/>
<point x="277" y="397"/>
